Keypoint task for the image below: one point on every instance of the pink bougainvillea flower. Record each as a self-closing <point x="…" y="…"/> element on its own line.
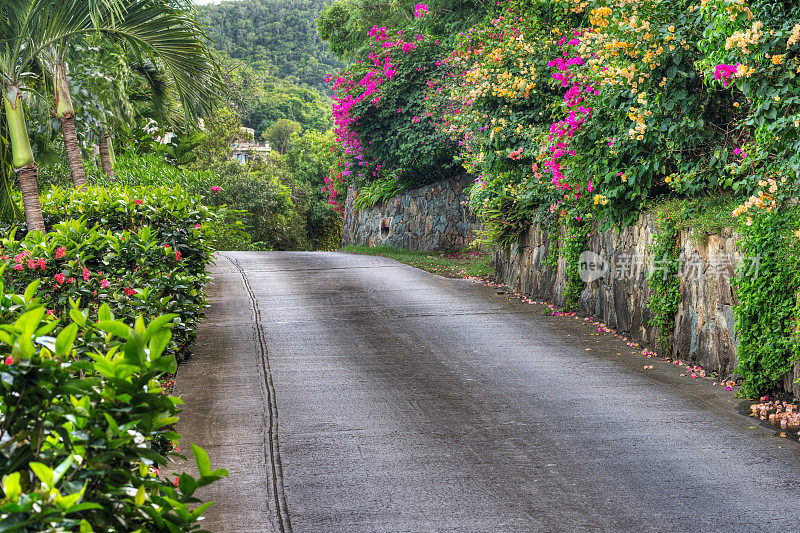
<point x="216" y="189"/>
<point x="723" y="72"/>
<point x="420" y="10"/>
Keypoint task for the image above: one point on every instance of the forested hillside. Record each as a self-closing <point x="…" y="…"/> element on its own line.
<point x="279" y="36"/>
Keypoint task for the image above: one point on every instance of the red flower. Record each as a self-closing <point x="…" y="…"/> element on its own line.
<point x="59" y="278"/>
<point x="139" y="202"/>
<point x="104" y="284"/>
<point x="60" y="252"/>
<point x="129" y="291"/>
<point x="177" y="256"/>
<point x="86" y="274"/>
<point x="9" y="360"/>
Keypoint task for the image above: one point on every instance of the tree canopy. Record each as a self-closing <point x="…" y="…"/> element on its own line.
<point x="275" y="36"/>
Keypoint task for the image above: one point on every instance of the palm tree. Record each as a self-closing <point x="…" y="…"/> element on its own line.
<point x="18" y="33"/>
<point x="164" y="31"/>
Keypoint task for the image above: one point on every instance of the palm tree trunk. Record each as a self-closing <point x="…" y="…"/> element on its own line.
<point x="65" y="113"/>
<point x="22" y="157"/>
<point x="106" y="155"/>
<point x="30" y="197"/>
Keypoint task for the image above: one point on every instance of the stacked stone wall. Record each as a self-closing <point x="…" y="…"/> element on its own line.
<point x="434" y="217"/>
<point x="705" y="323"/>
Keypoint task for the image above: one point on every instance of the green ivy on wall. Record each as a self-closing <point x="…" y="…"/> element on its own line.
<point x="767" y="286"/>
<point x="574" y="244"/>
<point x="663" y="278"/>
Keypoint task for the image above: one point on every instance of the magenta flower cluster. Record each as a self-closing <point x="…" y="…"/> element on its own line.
<point x="561" y="132"/>
<point x="420" y="10"/>
<point x="351" y="92"/>
<point x="723" y="72"/>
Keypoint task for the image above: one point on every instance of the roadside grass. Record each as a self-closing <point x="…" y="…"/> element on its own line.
<point x="461" y="264"/>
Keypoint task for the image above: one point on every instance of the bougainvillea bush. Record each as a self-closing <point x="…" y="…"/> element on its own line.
<point x="380" y="113"/>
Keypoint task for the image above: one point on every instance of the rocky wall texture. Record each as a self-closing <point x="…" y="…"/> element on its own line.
<point x="704" y="326"/>
<point x="434" y="217"/>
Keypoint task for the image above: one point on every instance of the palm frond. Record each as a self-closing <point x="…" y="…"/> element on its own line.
<point x="158" y="32"/>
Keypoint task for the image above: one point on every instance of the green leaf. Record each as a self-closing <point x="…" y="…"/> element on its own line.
<point x="104" y="314"/>
<point x="161" y="422"/>
<point x="43" y="472"/>
<point x="11" y="486"/>
<point x="66" y="339"/>
<point x="138" y="500"/>
<point x="202" y="460"/>
<point x="85" y="506"/>
<point x="197" y="513"/>
<point x="61" y="469"/>
<point x="114" y="327"/>
<point x="156" y="325"/>
<point x="78" y="317"/>
<point x="187" y="484"/>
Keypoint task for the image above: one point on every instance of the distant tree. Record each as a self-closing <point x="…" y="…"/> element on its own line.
<point x="280" y="133"/>
<point x="261" y="99"/>
<point x="274" y="36"/>
<point x="222" y="130"/>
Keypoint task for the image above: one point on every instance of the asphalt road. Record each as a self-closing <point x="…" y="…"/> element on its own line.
<point x="351" y="393"/>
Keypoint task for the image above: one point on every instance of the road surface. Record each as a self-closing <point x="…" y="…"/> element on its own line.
<point x="352" y="393"/>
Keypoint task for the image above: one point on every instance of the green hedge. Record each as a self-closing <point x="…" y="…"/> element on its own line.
<point x="93" y="315"/>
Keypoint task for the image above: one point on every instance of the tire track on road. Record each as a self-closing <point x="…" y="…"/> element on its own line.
<point x="272" y="450"/>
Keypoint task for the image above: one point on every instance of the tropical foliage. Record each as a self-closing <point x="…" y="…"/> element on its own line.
<point x="579" y="114"/>
<point x="94" y="316"/>
<point x="273" y="36"/>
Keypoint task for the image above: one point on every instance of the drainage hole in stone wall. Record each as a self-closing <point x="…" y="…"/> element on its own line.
<point x="386" y="223"/>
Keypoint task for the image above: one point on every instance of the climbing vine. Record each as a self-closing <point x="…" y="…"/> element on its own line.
<point x="554" y="237"/>
<point x="574" y="244"/>
<point x="767" y="286"/>
<point x="663" y="278"/>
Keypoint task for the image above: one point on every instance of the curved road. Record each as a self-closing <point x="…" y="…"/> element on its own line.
<point x="351" y="393"/>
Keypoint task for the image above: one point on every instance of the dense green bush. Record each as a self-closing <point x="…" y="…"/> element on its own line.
<point x="377" y="192"/>
<point x="85" y="431"/>
<point x="92" y="315"/>
<point x="768" y="290"/>
<point x="142" y="251"/>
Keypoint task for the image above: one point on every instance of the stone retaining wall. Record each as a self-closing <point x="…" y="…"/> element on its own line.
<point x="704" y="326"/>
<point x="428" y="218"/>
